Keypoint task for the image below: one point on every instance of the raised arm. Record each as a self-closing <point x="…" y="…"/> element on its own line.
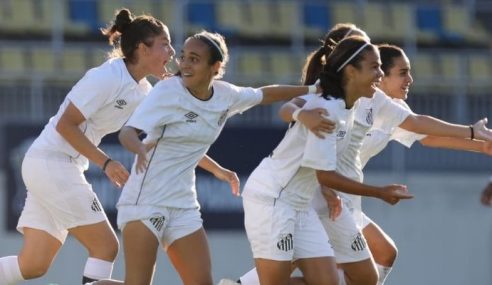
<point x="221" y="173"/>
<point x="458" y="144"/>
<point x="68" y="128"/>
<point x="275" y="93"/>
<point x="423" y="124"/>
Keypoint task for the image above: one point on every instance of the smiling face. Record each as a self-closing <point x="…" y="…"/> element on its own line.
<point x="396" y="83"/>
<point x="367" y="75"/>
<point x="194" y="64"/>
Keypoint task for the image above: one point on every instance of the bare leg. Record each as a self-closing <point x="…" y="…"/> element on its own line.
<point x="360" y="273"/>
<point x="319" y="270"/>
<point x="273" y="272"/>
<point x="37" y="253"/>
<point x="140" y="246"/>
<point x="382" y="247"/>
<point x="99" y="239"/>
<point x="190" y="257"/>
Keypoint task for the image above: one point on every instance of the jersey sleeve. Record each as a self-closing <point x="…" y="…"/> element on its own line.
<point x="244" y="98"/>
<point x="394" y="113"/>
<point x="405" y="137"/>
<point x="155" y="111"/>
<point x="93" y="91"/>
<point x="321" y="153"/>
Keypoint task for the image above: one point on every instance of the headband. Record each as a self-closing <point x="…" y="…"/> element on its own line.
<point x="347" y="33"/>
<point x="352" y="56"/>
<point x="214" y="45"/>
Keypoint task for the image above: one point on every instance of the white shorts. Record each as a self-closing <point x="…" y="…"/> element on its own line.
<point x="167" y="224"/>
<point x="365" y="221"/>
<point x="276" y="231"/>
<point x="347" y="239"/>
<point x="59" y="197"/>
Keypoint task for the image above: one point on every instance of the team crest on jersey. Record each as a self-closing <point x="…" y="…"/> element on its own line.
<point x="223" y="117"/>
<point x="286" y="242"/>
<point x="120" y="104"/>
<point x="341" y="134"/>
<point x="190" y="117"/>
<point x="369" y="117"/>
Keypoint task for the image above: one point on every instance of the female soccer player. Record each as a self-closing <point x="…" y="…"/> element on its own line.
<point x="182" y="117"/>
<point x="279" y="221"/>
<point x="59" y="199"/>
<point x="396" y="83"/>
<point x="355" y="263"/>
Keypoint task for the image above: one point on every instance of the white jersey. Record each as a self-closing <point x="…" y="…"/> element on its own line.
<point x="289" y="173"/>
<point x="388" y="114"/>
<point x="386" y="129"/>
<point x="184" y="127"/>
<point x="371" y="114"/>
<point x="106" y="96"/>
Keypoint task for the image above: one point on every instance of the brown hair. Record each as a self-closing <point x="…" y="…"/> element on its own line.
<point x="315" y="60"/>
<point x="388" y="53"/>
<point x="128" y="31"/>
<point x="332" y="77"/>
<point x="218" y="49"/>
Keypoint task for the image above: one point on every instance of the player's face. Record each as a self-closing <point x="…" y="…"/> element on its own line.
<point x="397" y="83"/>
<point x="159" y="54"/>
<point x="194" y="64"/>
<point x="367" y="77"/>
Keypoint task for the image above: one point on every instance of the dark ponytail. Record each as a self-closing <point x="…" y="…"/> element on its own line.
<point x="128" y="31"/>
<point x="313" y="66"/>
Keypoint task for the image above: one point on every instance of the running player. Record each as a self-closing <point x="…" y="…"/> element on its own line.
<point x="181" y="117"/>
<point x="59" y="199"/>
<point x="279" y="221"/>
<point x="355" y="264"/>
<point x="396" y="83"/>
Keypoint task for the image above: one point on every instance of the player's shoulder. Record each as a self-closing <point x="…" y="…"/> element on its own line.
<point x="172" y="85"/>
<point x="111" y="72"/>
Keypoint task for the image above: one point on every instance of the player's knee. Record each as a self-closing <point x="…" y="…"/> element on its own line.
<point x="200" y="280"/>
<point x="34" y="270"/>
<point x="366" y="277"/>
<point x="389" y="256"/>
<point x="107" y="251"/>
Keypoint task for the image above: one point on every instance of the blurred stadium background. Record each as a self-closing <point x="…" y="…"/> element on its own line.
<point x="444" y="234"/>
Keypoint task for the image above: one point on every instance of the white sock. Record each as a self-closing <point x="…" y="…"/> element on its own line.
<point x="383" y="273"/>
<point x="341" y="276"/>
<point x="250" y="278"/>
<point x="10" y="272"/>
<point x="98" y="269"/>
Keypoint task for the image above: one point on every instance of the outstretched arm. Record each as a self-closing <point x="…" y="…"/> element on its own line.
<point x="458" y="144"/>
<point x="275" y="93"/>
<point x="391" y="194"/>
<point x="423" y="124"/>
<point x="210" y="165"/>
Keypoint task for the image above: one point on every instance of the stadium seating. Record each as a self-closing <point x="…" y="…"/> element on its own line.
<point x="12" y="60"/>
